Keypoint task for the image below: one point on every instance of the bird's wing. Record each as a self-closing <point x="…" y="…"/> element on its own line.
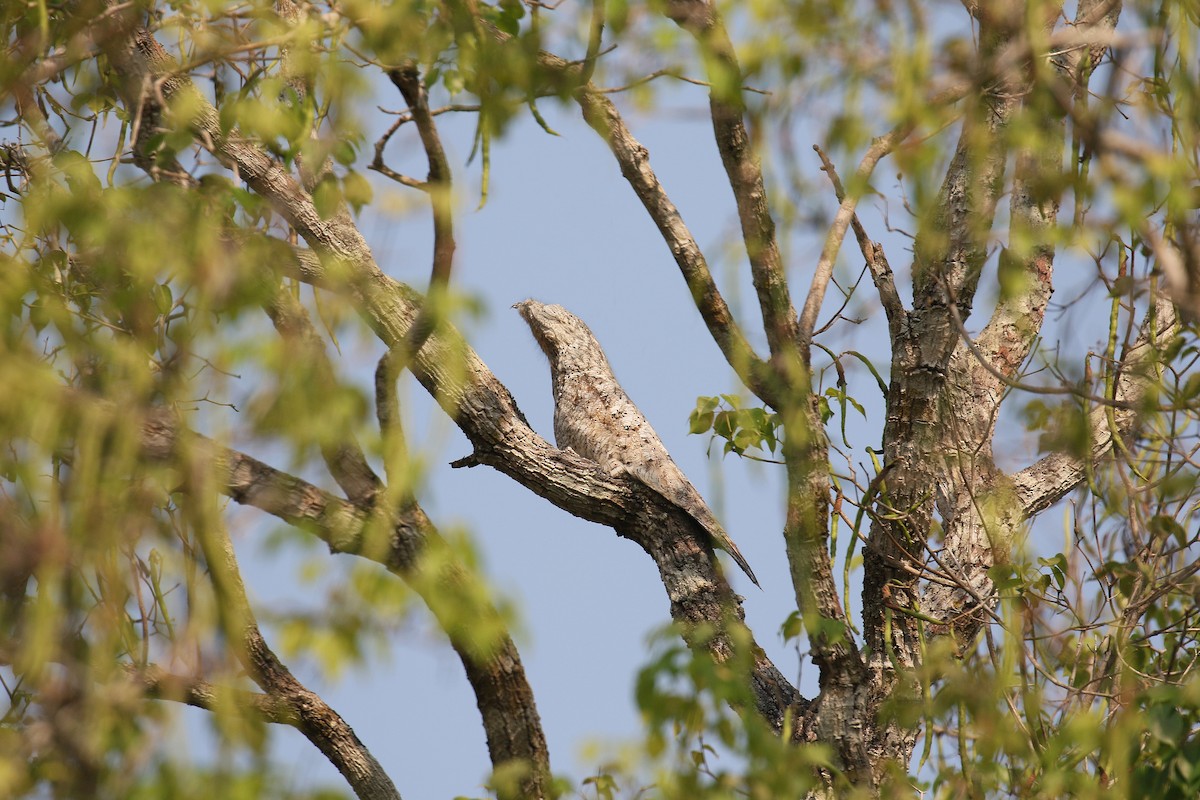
<point x="660" y="472"/>
<point x="597" y="420"/>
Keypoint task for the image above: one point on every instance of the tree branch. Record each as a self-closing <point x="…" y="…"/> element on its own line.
<point x="634" y="161"/>
<point x="806" y="529"/>
<point x="980" y="518"/>
<point x="345" y="459"/>
<point x="951" y="247"/>
<point x="1054" y="476"/>
<point x="929" y="452"/>
<point x="319" y="723"/>
<point x="485" y="410"/>
<point x="1027" y="265"/>
<point x="158" y="684"/>
<point x="387" y="413"/>
<point x="397" y="539"/>
<point x="881" y="271"/>
<point x="743" y="170"/>
<point x="441" y="200"/>
<point x="990" y="507"/>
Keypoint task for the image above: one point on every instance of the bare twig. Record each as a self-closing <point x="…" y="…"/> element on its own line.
<point x="881" y="271"/>
<point x="879" y="148"/>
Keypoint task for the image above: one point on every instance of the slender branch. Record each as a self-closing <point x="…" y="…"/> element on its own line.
<point x="634" y="161"/>
<point x="398" y="177"/>
<point x="159" y="684"/>
<point x="595" y="37"/>
<point x="879" y="148"/>
<point x="345" y="459"/>
<point x="403" y="118"/>
<point x="387" y="412"/>
<point x="877" y="263"/>
<point x="319" y="723"/>
<point x="667" y="73"/>
<point x="438" y="185"/>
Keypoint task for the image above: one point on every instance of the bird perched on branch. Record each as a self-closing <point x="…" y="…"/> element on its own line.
<point x="594" y="417"/>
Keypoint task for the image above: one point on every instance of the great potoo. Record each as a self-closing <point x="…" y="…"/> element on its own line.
<point x="594" y="417"/>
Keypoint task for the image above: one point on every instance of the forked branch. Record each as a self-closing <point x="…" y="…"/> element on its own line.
<point x="877" y="263"/>
<point x="320" y="724"/>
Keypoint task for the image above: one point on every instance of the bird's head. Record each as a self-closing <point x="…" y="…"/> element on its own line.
<point x="562" y="336"/>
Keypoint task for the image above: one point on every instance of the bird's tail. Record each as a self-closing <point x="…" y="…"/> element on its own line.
<point x="687" y="498"/>
<point x="731" y="548"/>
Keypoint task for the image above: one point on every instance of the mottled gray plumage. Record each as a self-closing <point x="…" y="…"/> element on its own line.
<point x="594" y="417"/>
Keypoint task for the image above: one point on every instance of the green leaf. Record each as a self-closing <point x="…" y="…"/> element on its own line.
<point x="344" y="152"/>
<point x="792" y="627"/>
<point x="39" y="317"/>
<point x="163" y="300"/>
<point x="508" y="24"/>
<point x="327" y="198"/>
<point x="1162" y="526"/>
<point x="833" y="630"/>
<point x="879" y="381"/>
<point x="725" y="424"/>
<point x="1005" y="577"/>
<point x="1191" y="389"/>
<point x="700" y="422"/>
<point x="357" y="190"/>
<point x="825" y="411"/>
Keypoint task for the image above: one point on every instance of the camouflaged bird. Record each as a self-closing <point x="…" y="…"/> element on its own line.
<point x="594" y="417"/>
